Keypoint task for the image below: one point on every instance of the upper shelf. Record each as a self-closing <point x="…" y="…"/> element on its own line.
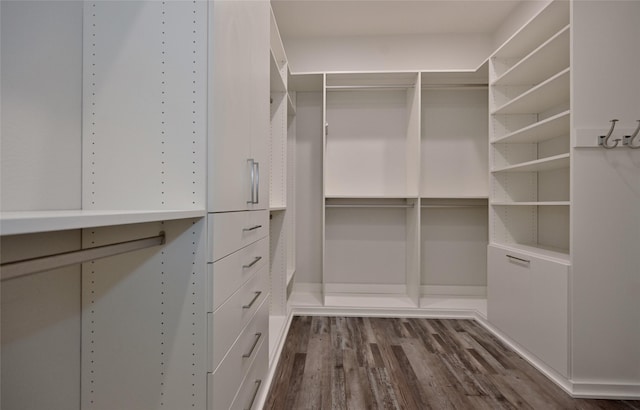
<point x="15" y="223"/>
<point x="538" y="30"/>
<point x="546" y="60"/>
<point x="544" y="96"/>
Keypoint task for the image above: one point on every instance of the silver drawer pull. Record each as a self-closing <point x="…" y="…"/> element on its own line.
<point x="253" y="228"/>
<point x="518" y="259"/>
<point x="255" y="393"/>
<point x="255" y="343"/>
<point x="252" y="300"/>
<point x="256" y="260"/>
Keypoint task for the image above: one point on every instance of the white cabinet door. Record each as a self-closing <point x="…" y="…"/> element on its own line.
<point x="528" y="300"/>
<point x="239" y="105"/>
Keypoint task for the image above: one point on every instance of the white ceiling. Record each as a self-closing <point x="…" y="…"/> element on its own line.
<point x="331" y="18"/>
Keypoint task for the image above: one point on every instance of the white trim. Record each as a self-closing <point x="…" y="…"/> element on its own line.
<point x="590" y="390"/>
<point x="442" y="290"/>
<point x="366" y="288"/>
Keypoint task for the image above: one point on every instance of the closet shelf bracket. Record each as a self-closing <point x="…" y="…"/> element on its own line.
<point x="12" y="270"/>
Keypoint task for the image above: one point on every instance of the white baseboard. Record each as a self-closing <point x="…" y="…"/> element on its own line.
<point x="458" y="291"/>
<point x="364" y="288"/>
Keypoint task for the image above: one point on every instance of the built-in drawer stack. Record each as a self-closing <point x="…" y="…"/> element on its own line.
<point x="238" y="309"/>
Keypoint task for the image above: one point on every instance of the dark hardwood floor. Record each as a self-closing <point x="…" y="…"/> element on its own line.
<point x="380" y="363"/>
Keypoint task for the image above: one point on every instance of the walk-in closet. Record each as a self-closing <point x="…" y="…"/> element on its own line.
<point x="184" y="182"/>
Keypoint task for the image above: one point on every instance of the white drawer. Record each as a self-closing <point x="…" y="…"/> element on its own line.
<point x="229" y="273"/>
<point x="253" y="382"/>
<point x="226" y="323"/>
<point x="230" y="231"/>
<point x="226" y="381"/>
<point x="528" y="300"/>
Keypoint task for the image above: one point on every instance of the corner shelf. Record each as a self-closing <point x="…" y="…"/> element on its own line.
<point x="544" y="164"/>
<point x="546" y="129"/>
<point x="541" y="63"/>
<point x="16" y="223"/>
<point x="544" y="96"/>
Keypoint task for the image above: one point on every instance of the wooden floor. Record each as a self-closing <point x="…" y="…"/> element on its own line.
<point x="378" y="363"/>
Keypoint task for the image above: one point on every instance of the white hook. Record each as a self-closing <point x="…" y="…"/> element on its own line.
<point x="628" y="139"/>
<point x="603" y="140"/>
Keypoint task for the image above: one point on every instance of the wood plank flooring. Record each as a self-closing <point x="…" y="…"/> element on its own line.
<point x="381" y="363"/>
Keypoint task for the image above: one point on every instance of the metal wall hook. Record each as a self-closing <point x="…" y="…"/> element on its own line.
<point x="628" y="140"/>
<point x="603" y="140"/>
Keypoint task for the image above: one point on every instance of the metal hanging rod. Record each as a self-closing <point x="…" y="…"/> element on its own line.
<point x="368" y="87"/>
<point x="451" y="206"/>
<point x="25" y="267"/>
<point x="368" y="206"/>
<point x="449" y="86"/>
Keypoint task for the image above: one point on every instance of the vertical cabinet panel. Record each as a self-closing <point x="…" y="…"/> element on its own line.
<point x="239" y="105"/>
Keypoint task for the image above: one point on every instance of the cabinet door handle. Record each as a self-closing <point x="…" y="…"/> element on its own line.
<point x="258" y="293"/>
<point x="257" y="258"/>
<point x="253" y="347"/>
<point x="253" y="228"/>
<point x="252" y="163"/>
<point x="518" y="259"/>
<point x="257" y="165"/>
<point x="255" y="393"/>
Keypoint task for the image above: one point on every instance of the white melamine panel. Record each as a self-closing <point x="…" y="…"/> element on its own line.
<point x="228" y="321"/>
<point x="12" y="223"/>
<point x="228" y="378"/>
<point x="278" y="151"/>
<point x="41" y="82"/>
<point x="365" y="153"/>
<point x="606" y="196"/>
<point x="144" y="320"/>
<point x="308" y="188"/>
<point x="540" y="131"/>
<point x="365" y="246"/>
<point x="238" y="103"/>
<point x="227" y="274"/>
<point x="144" y="149"/>
<point x="40" y="317"/>
<point x="454" y="246"/>
<point x="278" y="249"/>
<point x="231" y="231"/>
<point x="454" y="143"/>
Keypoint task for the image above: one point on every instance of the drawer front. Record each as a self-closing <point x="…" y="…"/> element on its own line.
<point x="253" y="383"/>
<point x="229" y="273"/>
<point x="230" y="231"/>
<point x="528" y="300"/>
<point x="225" y="382"/>
<point x="228" y="320"/>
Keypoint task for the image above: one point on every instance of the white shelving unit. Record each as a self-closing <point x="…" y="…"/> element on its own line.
<point x="530" y="133"/>
<point x="529" y="197"/>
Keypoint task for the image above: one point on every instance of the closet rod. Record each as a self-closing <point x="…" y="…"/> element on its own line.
<point x="449" y="86"/>
<point x="452" y="206"/>
<point x="25" y="267"/>
<point x="368" y="87"/>
<point x="368" y="206"/>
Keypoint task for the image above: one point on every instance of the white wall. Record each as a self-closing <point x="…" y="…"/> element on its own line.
<point x="606" y="195"/>
<point x="517" y="19"/>
<point x="390" y="53"/>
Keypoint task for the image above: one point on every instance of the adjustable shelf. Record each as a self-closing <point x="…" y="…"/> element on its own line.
<point x="542" y="63"/>
<point x="540" y="131"/>
<point x="16" y="223"/>
<point x="532" y="203"/>
<point x="544" y="96"/>
<point x="544" y="164"/>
